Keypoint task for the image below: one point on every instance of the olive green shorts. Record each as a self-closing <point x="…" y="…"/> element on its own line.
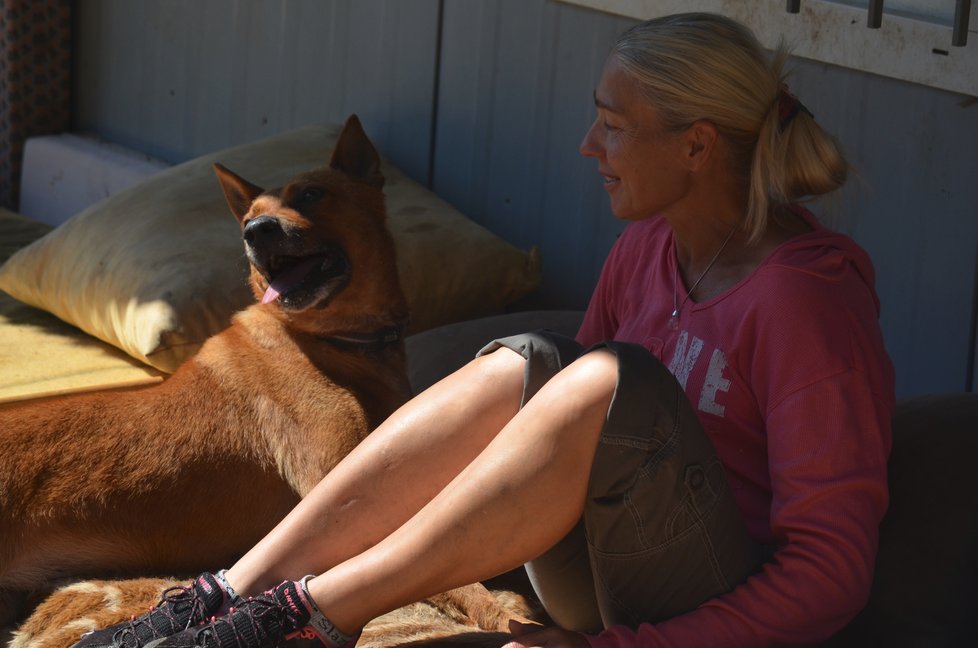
<point x="661" y="532"/>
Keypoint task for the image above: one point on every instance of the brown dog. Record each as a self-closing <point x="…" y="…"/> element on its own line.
<point x="185" y="476"/>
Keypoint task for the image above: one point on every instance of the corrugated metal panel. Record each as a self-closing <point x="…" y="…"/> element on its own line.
<point x="913" y="203"/>
<point x="177" y="78"/>
<point x="515" y="99"/>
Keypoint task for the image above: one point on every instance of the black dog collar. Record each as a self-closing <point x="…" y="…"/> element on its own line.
<point x="371" y="342"/>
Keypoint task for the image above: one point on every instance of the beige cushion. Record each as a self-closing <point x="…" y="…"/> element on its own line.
<point x="158" y="268"/>
<point x="41" y="355"/>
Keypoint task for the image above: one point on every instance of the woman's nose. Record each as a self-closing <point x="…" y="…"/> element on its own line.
<point x="589" y="147"/>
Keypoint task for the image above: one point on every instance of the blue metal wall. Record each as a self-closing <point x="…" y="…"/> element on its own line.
<point x="486" y="102"/>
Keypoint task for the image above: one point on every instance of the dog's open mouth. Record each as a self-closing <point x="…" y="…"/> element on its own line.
<point x="298" y="282"/>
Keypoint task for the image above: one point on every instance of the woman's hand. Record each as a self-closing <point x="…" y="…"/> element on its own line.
<point x="531" y="635"/>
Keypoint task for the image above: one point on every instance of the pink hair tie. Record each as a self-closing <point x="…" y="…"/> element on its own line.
<point x="788" y="107"/>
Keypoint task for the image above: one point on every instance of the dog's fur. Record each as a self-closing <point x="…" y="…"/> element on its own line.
<point x="185" y="476"/>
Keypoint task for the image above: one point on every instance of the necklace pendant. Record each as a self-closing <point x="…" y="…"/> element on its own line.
<point x="674" y="320"/>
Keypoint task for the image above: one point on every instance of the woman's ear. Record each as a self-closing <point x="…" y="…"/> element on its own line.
<point x="701" y="140"/>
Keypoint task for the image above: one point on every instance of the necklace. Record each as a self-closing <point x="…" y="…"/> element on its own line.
<point x="674" y="318"/>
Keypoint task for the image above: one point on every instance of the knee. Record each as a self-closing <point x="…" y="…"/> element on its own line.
<point x="599" y="364"/>
<point x="502" y="367"/>
<point x="595" y="372"/>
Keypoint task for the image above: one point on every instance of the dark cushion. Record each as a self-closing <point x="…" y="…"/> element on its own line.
<point x="925" y="592"/>
<point x="437" y="352"/>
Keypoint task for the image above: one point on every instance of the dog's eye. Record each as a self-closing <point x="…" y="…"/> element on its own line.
<point x="310" y="194"/>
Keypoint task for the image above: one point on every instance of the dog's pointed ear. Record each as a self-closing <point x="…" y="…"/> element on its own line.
<point x="355" y="156"/>
<point x="237" y="191"/>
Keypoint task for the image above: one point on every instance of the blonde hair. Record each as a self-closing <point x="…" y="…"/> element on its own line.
<point x="701" y="66"/>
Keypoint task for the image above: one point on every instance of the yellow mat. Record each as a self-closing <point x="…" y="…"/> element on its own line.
<point x="42" y="356"/>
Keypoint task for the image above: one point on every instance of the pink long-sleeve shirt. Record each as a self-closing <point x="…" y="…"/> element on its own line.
<point x="789" y="376"/>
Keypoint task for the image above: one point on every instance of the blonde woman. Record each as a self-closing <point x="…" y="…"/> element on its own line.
<point x="704" y="465"/>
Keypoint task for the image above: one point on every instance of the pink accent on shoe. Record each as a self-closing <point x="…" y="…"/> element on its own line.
<point x="302" y="600"/>
<point x="310" y="633"/>
<point x="204" y="585"/>
<point x="304" y="633"/>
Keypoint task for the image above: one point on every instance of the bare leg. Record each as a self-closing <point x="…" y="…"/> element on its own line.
<point x="393" y="473"/>
<point x="523" y="493"/>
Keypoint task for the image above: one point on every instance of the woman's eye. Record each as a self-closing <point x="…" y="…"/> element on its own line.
<point x="609" y="127"/>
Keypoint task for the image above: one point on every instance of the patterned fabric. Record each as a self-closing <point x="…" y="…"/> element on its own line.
<point x="35" y="80"/>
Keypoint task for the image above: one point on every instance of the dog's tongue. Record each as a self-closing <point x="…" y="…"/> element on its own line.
<point x="289" y="279"/>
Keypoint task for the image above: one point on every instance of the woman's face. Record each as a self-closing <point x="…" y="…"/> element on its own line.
<point x="640" y="159"/>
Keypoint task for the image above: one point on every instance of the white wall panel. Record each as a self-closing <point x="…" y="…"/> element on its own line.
<point x="904" y="46"/>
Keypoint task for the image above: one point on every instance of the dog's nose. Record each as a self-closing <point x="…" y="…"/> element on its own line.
<point x="262" y="229"/>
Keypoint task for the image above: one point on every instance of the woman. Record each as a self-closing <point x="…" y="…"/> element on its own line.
<point x="711" y="470"/>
